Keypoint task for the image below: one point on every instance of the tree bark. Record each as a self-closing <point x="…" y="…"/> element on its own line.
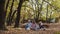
<point x="47" y="14"/>
<point x="9" y="16"/>
<point x="2" y="15"/>
<point x="18" y="14"/>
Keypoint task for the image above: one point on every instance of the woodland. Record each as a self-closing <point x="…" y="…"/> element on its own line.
<point x="17" y="12"/>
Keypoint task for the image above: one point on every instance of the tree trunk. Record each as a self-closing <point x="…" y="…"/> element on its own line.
<point x="2" y="15"/>
<point x="18" y="14"/>
<point x="9" y="16"/>
<point x="39" y="11"/>
<point x="6" y="7"/>
<point x="47" y="14"/>
<point x="13" y="16"/>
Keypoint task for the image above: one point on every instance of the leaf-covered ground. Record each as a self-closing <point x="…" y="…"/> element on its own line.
<point x="53" y="28"/>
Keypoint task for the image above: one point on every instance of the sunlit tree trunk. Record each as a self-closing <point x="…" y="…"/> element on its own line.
<point x="6" y="6"/>
<point x="13" y="15"/>
<point x="9" y="16"/>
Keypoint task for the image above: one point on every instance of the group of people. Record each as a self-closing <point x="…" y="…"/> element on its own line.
<point x="32" y="25"/>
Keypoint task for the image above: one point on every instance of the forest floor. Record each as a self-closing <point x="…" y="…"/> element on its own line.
<point x="54" y="28"/>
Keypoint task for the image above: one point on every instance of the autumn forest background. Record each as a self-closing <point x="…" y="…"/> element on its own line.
<point x="17" y="12"/>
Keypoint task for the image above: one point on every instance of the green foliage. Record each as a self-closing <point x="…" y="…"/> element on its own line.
<point x="30" y="9"/>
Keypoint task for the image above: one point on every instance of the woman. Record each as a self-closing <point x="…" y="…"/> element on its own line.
<point x="41" y="25"/>
<point x="34" y="26"/>
<point x="28" y="25"/>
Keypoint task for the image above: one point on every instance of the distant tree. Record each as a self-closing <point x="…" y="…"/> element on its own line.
<point x="39" y="11"/>
<point x="47" y="13"/>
